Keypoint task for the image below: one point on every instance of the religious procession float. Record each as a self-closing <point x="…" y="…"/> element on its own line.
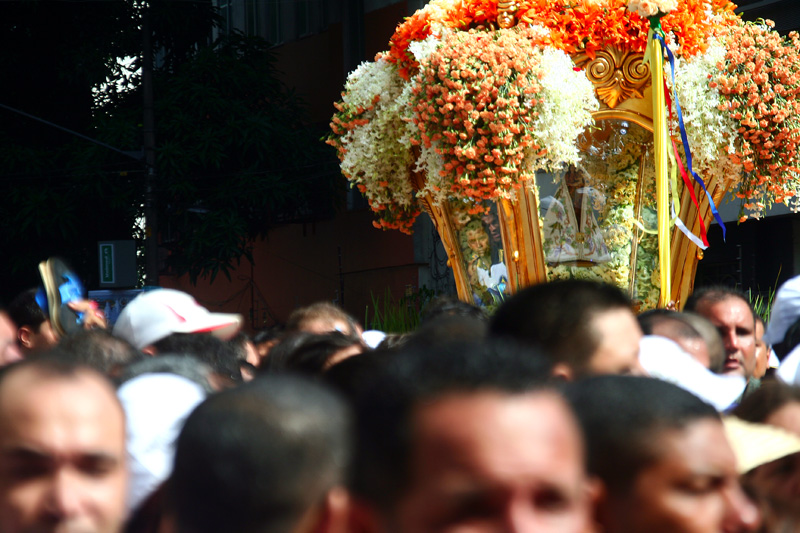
<point x="590" y="139"/>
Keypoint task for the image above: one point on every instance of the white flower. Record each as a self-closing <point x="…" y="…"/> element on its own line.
<point x="422" y="49"/>
<point x="567" y="102"/>
<point x="711" y="132"/>
<point x="374" y="152"/>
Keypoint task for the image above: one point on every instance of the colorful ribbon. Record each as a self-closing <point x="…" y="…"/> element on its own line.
<point x="687" y="150"/>
<point x="701" y="242"/>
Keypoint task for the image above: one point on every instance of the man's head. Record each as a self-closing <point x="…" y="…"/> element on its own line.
<point x="762" y="349"/>
<point x="322" y="317"/>
<point x="586" y="327"/>
<point x="469" y="438"/>
<point x="774" y="403"/>
<point x="663" y="457"/>
<point x="221" y="356"/>
<point x="34" y="331"/>
<point x="62" y="449"/>
<point x="9" y="351"/>
<point x="681" y="328"/>
<point x="101" y="350"/>
<point x="155" y="315"/>
<point x="310" y="354"/>
<point x="733" y="316"/>
<point x="269" y="456"/>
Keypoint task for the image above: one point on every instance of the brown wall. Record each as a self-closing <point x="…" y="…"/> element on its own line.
<point x="298" y="264"/>
<point x="314" y="65"/>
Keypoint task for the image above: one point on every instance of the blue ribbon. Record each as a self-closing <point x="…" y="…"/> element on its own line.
<point x="685" y="139"/>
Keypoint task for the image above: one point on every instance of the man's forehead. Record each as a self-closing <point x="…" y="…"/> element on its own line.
<point x="725" y="302"/>
<point x="541" y="410"/>
<point x="496" y="438"/>
<point x="29" y="387"/>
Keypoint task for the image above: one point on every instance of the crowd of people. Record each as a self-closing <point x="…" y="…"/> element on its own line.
<point x="563" y="412"/>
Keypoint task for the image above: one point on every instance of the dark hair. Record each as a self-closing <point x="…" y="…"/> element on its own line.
<point x="307" y="353"/>
<point x="257" y="457"/>
<point x="221" y="356"/>
<point x="557" y="317"/>
<point x="765" y="400"/>
<point x="622" y="419"/>
<point x="52" y="364"/>
<point x="24" y="310"/>
<point x="238" y="344"/>
<point x="448" y="329"/>
<point x="451" y="306"/>
<point x="267" y="334"/>
<point x="688" y="325"/>
<point x="650" y="319"/>
<point x="716" y="293"/>
<point x="416" y="375"/>
<point x="100" y="349"/>
<point x="355" y="374"/>
<point x="185" y="366"/>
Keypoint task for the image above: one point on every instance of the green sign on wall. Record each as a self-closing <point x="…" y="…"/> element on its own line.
<point x="106" y="263"/>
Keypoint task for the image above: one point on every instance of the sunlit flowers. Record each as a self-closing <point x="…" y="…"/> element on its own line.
<point x="365" y="136"/>
<point x="710" y="130"/>
<point x="480" y="101"/>
<point x="759" y="82"/>
<point x="574" y="26"/>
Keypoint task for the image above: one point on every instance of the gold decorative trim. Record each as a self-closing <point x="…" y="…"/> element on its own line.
<point x="616" y="74"/>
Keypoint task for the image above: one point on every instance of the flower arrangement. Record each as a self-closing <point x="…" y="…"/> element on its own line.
<point x="758" y="81"/>
<point x="484" y="111"/>
<point x="370" y="113"/>
<point x="483" y="99"/>
<point x="709" y="128"/>
<point x="471" y="112"/>
<point x="571" y="25"/>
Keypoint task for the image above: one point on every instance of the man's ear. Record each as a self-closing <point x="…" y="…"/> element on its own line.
<point x="24" y="336"/>
<point x="603" y="517"/>
<point x="149" y="350"/>
<point x="563" y="372"/>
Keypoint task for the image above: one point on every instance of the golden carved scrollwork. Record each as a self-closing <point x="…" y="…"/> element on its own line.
<point x="617" y="75"/>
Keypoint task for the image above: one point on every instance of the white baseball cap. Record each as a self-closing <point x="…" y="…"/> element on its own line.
<point x="156" y="406"/>
<point x="785" y="311"/>
<point x="156" y="314"/>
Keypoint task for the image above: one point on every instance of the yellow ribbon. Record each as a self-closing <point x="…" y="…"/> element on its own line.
<point x="660" y="136"/>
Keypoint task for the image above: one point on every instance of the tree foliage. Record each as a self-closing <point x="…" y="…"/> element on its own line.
<point x="234" y="156"/>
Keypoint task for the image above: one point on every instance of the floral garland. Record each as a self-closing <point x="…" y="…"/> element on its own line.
<point x="498" y="109"/>
<point x="572" y="25"/>
<point x="370" y="113"/>
<point x="759" y="84"/>
<point x="483" y="113"/>
<point x="478" y="111"/>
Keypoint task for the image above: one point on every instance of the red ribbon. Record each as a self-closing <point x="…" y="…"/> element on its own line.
<point x="684" y="175"/>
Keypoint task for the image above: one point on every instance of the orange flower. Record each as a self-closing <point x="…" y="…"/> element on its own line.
<point x="574" y="26"/>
